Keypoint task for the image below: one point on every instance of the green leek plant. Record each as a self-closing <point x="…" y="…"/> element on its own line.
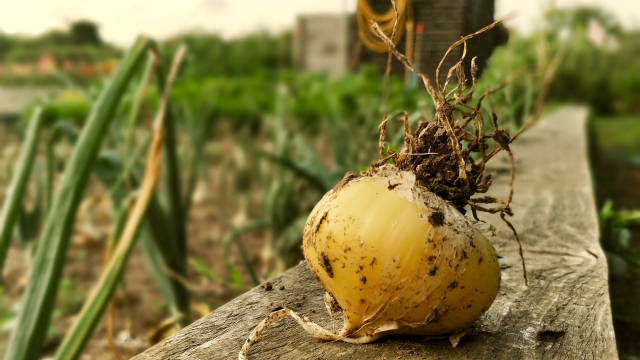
<point x="120" y="176"/>
<point x="16" y="190"/>
<point x="36" y="307"/>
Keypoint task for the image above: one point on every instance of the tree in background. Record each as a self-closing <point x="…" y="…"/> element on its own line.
<point x="85" y="32"/>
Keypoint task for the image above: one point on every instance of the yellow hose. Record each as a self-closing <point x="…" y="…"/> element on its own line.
<point x="386" y="21"/>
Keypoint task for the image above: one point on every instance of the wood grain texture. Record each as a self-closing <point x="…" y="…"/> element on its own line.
<point x="563" y="314"/>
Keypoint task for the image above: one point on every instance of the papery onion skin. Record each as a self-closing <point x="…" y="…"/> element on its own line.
<point x="399" y="259"/>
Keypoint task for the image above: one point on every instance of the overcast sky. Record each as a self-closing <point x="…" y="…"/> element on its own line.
<point x="121" y="20"/>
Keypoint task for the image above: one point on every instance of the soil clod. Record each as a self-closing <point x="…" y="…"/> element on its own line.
<point x="326" y="264"/>
<point x="436" y="218"/>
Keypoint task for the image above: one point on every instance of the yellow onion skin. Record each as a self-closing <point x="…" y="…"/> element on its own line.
<point x="399" y="259"/>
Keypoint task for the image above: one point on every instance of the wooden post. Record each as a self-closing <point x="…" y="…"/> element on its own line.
<point x="564" y="313"/>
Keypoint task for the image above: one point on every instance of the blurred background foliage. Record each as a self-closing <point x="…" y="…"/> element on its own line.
<point x="254" y="145"/>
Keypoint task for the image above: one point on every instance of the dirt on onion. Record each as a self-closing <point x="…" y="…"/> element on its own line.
<point x="392" y="246"/>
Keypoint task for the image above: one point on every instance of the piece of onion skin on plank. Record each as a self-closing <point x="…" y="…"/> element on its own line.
<point x="399" y="259"/>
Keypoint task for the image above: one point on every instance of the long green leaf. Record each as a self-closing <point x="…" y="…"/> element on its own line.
<point x="137" y="104"/>
<point x="59" y="129"/>
<point x="37" y="304"/>
<point x="199" y="131"/>
<point x="173" y="188"/>
<point x="157" y="266"/>
<point x="15" y="191"/>
<point x="160" y="227"/>
<point x="30" y="221"/>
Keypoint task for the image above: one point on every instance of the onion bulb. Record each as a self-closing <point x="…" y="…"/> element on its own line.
<point x="397" y="258"/>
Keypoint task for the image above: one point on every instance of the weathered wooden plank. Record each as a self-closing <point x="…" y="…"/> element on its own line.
<point x="564" y="313"/>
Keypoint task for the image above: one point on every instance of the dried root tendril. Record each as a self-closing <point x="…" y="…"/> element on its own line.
<point x="309" y="326"/>
<point x="450" y="171"/>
